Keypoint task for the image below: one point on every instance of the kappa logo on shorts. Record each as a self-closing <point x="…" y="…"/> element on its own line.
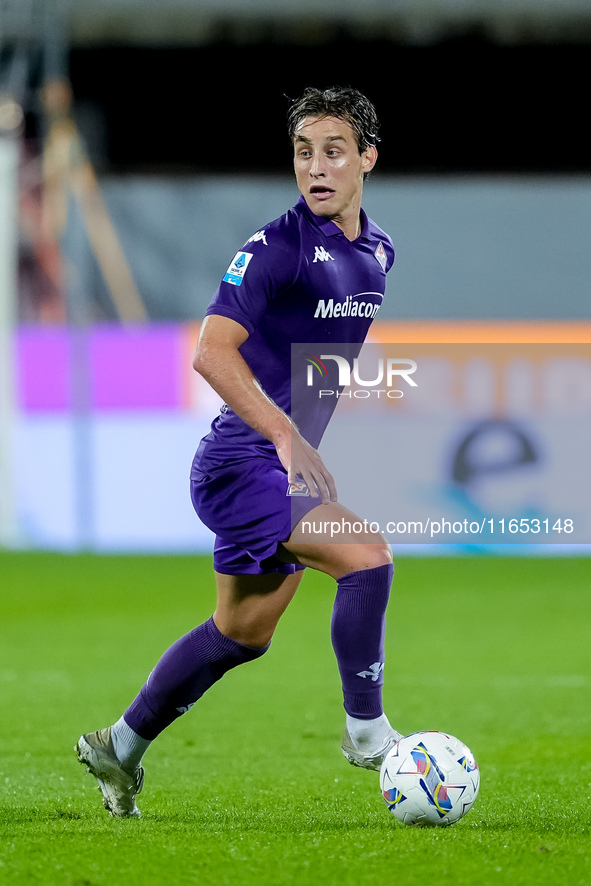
<point x="298" y="487"/>
<point x="237" y="269"/>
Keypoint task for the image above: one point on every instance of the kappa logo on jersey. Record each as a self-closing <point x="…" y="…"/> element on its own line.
<point x="237" y="270"/>
<point x="320" y="254"/>
<point x="298" y="487"/>
<point x="381" y="256"/>
<point x="260" y="235"/>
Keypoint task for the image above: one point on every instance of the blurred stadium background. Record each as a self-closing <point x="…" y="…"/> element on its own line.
<point x="142" y="142"/>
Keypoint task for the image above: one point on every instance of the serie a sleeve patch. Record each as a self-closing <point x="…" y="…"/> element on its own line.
<point x="237" y="269"/>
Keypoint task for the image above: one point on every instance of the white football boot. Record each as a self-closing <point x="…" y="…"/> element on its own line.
<point x="118" y="786"/>
<point x="368" y="758"/>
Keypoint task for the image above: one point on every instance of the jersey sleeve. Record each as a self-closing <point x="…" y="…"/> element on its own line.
<point x="255" y="276"/>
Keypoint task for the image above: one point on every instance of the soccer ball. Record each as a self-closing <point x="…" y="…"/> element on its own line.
<point x="429" y="779"/>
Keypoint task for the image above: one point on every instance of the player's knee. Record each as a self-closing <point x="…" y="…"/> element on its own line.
<point x="375" y="554"/>
<point x="361" y="557"/>
<point x="384" y="554"/>
<point x="250" y="636"/>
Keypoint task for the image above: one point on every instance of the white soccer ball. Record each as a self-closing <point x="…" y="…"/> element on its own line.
<point x="430" y="779"/>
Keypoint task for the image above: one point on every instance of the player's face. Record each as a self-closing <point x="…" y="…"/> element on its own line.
<point x="329" y="170"/>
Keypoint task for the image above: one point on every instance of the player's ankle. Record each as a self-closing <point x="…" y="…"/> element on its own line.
<point x="369" y="734"/>
<point x="129" y="747"/>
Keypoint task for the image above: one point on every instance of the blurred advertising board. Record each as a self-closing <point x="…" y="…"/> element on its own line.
<point x="457" y="443"/>
<point x="107" y="420"/>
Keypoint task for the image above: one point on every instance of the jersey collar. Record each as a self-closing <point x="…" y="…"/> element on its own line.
<point x="328" y="227"/>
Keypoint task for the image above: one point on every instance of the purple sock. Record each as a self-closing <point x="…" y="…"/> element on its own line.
<point x="357" y="630"/>
<point x="183" y="674"/>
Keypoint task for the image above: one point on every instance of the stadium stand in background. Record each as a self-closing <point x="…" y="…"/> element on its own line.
<point x="116" y="197"/>
<point x="133" y="165"/>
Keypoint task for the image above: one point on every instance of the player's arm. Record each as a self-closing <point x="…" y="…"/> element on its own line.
<point x="219" y="361"/>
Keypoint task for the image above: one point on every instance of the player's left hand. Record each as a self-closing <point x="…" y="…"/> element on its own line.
<point x="300" y="459"/>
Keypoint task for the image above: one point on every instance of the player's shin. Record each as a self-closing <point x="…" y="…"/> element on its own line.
<point x="183" y="674"/>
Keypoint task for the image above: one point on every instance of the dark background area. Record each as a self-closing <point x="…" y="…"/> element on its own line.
<point x="466" y="104"/>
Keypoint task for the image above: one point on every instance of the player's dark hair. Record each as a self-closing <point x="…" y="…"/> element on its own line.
<point x="342" y="102"/>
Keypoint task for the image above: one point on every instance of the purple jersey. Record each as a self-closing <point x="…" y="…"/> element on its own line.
<point x="298" y="279"/>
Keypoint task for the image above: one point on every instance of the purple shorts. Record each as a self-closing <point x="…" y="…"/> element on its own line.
<point x="245" y="503"/>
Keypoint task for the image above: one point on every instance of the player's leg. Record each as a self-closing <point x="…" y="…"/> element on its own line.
<point x="247" y="612"/>
<point x="248" y="609"/>
<point x="249" y="606"/>
<point x="361" y="563"/>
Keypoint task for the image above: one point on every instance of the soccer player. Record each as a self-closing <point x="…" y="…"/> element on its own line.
<point x="281" y="288"/>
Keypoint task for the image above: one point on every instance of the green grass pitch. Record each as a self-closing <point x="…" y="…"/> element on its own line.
<point x="250" y="787"/>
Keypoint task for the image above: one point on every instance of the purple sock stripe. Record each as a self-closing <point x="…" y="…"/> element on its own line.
<point x="369" y="589"/>
<point x="208" y="641"/>
<point x="364" y="705"/>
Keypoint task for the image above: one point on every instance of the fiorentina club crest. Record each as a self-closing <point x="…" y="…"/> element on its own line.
<point x="381" y="256"/>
